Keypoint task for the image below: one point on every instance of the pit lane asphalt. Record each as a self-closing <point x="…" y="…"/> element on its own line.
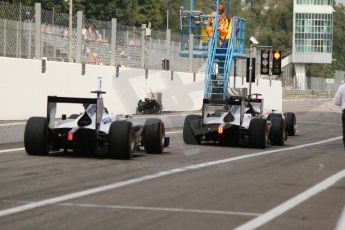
<point x="220" y="196"/>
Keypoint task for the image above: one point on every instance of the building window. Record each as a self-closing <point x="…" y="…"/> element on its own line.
<point x="313" y="32"/>
<point x="315" y="2"/>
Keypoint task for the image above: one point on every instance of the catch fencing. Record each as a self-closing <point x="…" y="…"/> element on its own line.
<point x="35" y="33"/>
<point x="32" y="32"/>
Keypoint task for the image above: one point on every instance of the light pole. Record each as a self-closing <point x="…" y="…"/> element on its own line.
<point x="167" y="19"/>
<point x="70" y="22"/>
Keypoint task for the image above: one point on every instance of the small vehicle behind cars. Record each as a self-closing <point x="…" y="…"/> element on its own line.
<point x="149" y="106"/>
<point x="92" y="131"/>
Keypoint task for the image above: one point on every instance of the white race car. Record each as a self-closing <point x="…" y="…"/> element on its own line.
<point x="92" y="131"/>
<point x="238" y="121"/>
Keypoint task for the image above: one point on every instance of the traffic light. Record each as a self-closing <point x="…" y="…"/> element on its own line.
<point x="265" y="60"/>
<point x="277" y="62"/>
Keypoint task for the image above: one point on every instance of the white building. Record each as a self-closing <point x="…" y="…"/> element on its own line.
<point x="312" y="35"/>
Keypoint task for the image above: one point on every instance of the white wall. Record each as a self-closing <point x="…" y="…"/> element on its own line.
<point x="24" y="89"/>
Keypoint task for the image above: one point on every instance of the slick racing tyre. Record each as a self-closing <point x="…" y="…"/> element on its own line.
<point x="258" y="133"/>
<point x="290" y="123"/>
<point x="191" y="123"/>
<point x="36" y="139"/>
<point x="277" y="131"/>
<point x="121" y="140"/>
<point x="154" y="136"/>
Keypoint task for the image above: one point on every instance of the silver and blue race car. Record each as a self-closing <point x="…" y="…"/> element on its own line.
<point x="92" y="131"/>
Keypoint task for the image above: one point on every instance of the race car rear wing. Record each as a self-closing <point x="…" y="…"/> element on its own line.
<point x="98" y="102"/>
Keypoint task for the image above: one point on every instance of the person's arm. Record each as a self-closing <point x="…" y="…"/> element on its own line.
<point x="337" y="98"/>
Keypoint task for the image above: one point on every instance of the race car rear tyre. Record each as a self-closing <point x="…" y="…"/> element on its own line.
<point x="121" y="140"/>
<point x="154" y="136"/>
<point x="36" y="139"/>
<point x="277" y="131"/>
<point x="290" y="123"/>
<point x="191" y="123"/>
<point x="258" y="133"/>
<point x="272" y="115"/>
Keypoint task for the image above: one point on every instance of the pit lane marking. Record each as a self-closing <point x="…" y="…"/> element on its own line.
<point x="341" y="222"/>
<point x="91" y="191"/>
<point x="145" y="208"/>
<point x="293" y="202"/>
<point x="318" y="123"/>
<point x="162" y="209"/>
<point x="11" y="150"/>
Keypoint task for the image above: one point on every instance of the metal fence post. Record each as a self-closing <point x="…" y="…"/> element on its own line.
<point x="168" y="43"/>
<point x="17" y="39"/>
<point x="79" y="31"/>
<point x="20" y="28"/>
<point x="5" y="37"/>
<point x="113" y="42"/>
<point x="190" y="51"/>
<point x="38" y="30"/>
<point x="30" y="40"/>
<point x="127" y="45"/>
<point x="142" y="57"/>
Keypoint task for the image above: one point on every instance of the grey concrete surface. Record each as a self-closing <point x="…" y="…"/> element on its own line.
<point x="11" y="132"/>
<point x="218" y="197"/>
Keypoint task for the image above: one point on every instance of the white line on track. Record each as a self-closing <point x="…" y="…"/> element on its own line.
<point x="145" y="208"/>
<point x="318" y="123"/>
<point x="12" y="124"/>
<point x="341" y="222"/>
<point x="161" y="209"/>
<point x="308" y="99"/>
<point x="11" y="150"/>
<point x="291" y="203"/>
<point x="174" y="132"/>
<point x="119" y="184"/>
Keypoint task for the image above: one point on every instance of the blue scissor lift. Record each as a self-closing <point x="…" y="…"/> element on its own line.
<point x="219" y="60"/>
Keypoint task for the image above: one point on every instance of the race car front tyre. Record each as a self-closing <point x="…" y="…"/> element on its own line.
<point x="258" y="133"/>
<point x="191" y="123"/>
<point x="277" y="131"/>
<point x="36" y="139"/>
<point x="290" y="123"/>
<point x="121" y="140"/>
<point x="154" y="136"/>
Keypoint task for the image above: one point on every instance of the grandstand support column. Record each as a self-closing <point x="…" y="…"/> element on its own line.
<point x="168" y="43"/>
<point x="300" y="71"/>
<point x="190" y="52"/>
<point x="113" y="42"/>
<point x="142" y="56"/>
<point x="79" y="33"/>
<point x="38" y="30"/>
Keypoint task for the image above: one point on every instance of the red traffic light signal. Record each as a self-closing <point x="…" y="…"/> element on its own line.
<point x="277" y="62"/>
